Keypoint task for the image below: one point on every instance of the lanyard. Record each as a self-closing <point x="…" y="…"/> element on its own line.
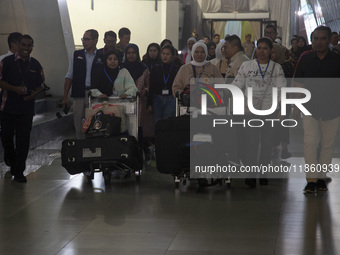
<point x="194" y="68"/>
<point x="109" y="76"/>
<point x="167" y="78"/>
<point x="262" y="74"/>
<point x="20" y="72"/>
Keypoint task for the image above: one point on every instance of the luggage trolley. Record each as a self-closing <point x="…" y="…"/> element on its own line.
<point x="178" y="164"/>
<point x="121" y="153"/>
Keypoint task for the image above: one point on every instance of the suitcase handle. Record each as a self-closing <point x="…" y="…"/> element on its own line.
<point x="124" y="156"/>
<point x="71" y="143"/>
<point x="71" y="159"/>
<point x="124" y="139"/>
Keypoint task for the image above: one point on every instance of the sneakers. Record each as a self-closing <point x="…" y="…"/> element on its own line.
<point x="321" y="185"/>
<point x="20" y="178"/>
<point x="310" y="187"/>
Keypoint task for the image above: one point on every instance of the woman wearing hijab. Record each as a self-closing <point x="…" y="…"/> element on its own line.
<point x="198" y="68"/>
<point x="187" y="56"/>
<point x="261" y="75"/>
<point x="211" y="50"/>
<point x="112" y="80"/>
<point x="220" y="61"/>
<point x="176" y="59"/>
<point x="161" y="102"/>
<point x="152" y="56"/>
<point x="140" y="74"/>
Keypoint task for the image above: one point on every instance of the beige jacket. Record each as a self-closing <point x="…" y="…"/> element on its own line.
<point x="186" y="72"/>
<point x="235" y="64"/>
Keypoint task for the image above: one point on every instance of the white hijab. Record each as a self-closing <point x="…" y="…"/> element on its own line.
<point x="188" y="57"/>
<point x="194" y="62"/>
<point x="218" y="51"/>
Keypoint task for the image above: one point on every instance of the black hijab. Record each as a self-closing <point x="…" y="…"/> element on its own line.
<point x="149" y="61"/>
<point x="112" y="73"/>
<point x="135" y="68"/>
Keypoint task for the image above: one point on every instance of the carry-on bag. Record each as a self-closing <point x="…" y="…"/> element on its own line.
<point x="104" y="125"/>
<point x="171" y="135"/>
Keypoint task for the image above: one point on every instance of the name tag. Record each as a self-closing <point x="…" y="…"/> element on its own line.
<point x="165" y="92"/>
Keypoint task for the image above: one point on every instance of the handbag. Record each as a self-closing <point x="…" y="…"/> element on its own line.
<point x="102" y="125"/>
<point x="116" y="110"/>
<point x="257" y="101"/>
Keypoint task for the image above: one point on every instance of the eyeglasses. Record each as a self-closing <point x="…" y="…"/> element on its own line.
<point x="86" y="39"/>
<point x="269" y="33"/>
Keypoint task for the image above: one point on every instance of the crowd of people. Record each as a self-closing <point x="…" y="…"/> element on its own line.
<point x="119" y="70"/>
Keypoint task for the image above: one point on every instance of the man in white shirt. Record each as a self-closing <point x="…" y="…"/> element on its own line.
<point x="13" y="44"/>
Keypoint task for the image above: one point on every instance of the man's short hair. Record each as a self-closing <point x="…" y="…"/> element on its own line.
<point x="110" y="33"/>
<point x="26" y="37"/>
<point x="207" y="37"/>
<point x="234" y="40"/>
<point x="271" y="26"/>
<point x="93" y="33"/>
<point x="124" y="31"/>
<point x="324" y="28"/>
<point x="13" y="38"/>
<point x="217" y="35"/>
<point x="267" y="41"/>
<point x="334" y="33"/>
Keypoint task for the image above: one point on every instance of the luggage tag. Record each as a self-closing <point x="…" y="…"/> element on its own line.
<point x="97" y="125"/>
<point x="165" y="92"/>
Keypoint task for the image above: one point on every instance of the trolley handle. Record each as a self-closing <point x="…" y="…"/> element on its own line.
<point x="177" y="103"/>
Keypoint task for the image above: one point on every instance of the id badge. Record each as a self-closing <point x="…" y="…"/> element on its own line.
<point x="165" y="92"/>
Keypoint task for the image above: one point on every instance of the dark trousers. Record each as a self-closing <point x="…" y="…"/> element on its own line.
<point x="15" y="138"/>
<point x="258" y="143"/>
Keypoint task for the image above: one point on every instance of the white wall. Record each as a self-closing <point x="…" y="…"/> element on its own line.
<point x="146" y="24"/>
<point x="54" y="24"/>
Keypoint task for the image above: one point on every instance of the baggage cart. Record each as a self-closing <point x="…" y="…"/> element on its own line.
<point x="120" y="154"/>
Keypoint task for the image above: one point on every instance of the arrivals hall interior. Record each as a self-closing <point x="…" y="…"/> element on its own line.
<point x="149" y="211"/>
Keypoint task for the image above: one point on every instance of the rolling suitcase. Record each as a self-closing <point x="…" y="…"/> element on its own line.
<point x="171" y="137"/>
<point x="82" y="155"/>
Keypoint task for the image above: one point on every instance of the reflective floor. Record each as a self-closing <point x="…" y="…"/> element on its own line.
<point x="55" y="213"/>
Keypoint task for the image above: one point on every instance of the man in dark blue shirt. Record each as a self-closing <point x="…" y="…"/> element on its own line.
<point x="21" y="80"/>
<point x="84" y="63"/>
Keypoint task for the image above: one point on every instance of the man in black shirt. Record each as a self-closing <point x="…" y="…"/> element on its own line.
<point x="21" y="79"/>
<point x="319" y="72"/>
<point x="110" y="39"/>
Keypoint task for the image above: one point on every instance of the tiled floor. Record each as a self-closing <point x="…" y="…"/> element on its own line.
<point x="58" y="214"/>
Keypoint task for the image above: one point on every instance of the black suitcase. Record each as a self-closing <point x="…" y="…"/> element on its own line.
<point x="81" y="155"/>
<point x="171" y="137"/>
<point x="174" y="143"/>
